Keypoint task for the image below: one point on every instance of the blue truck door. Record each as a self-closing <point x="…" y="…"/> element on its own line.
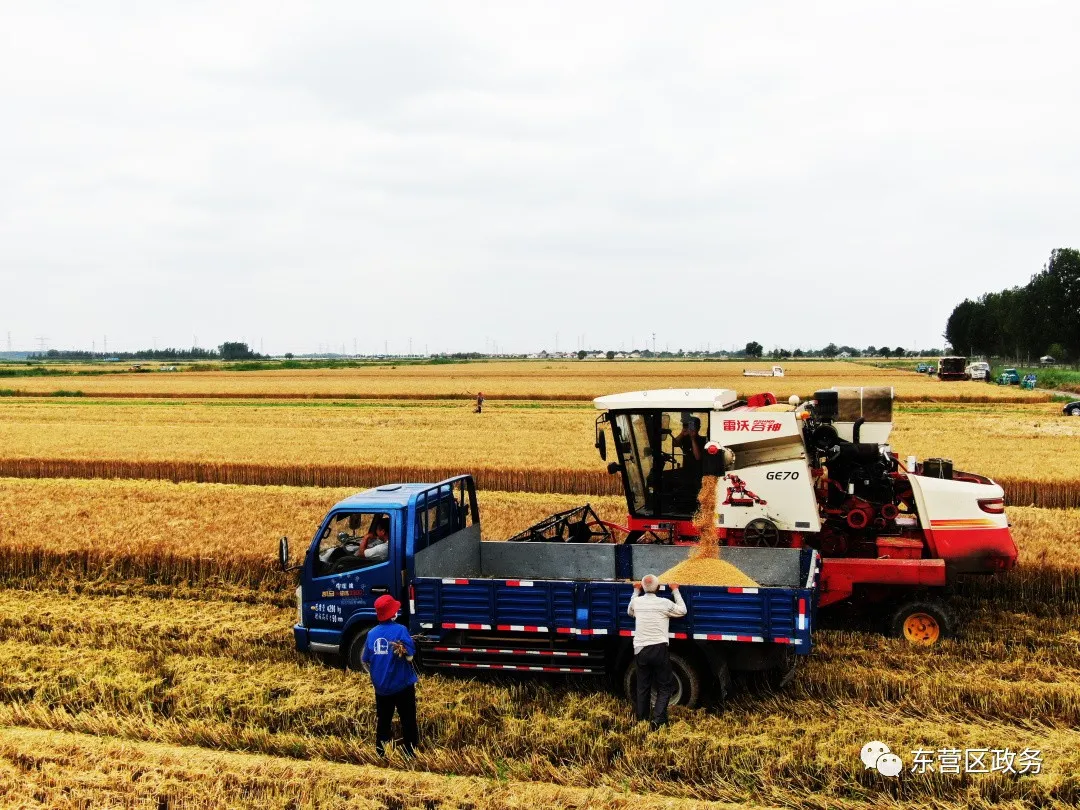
<point x="346" y="579"/>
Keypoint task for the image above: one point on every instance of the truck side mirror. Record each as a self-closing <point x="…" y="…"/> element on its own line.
<point x="283" y="553"/>
<point x="601" y="443"/>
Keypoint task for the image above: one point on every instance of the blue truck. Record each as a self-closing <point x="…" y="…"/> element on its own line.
<point x="551" y="599"/>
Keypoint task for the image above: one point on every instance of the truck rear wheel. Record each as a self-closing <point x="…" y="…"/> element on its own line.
<point x="688" y="682"/>
<point x="923" y="622"/>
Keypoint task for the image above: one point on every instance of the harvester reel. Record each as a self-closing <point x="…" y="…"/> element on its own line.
<point x="762" y="533"/>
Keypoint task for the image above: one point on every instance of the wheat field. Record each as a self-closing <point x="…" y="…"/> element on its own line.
<point x="532" y="379"/>
<point x="146" y="658"/>
<point x="543" y="447"/>
<point x="105" y="534"/>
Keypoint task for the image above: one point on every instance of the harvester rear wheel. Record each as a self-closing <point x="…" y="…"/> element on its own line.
<point x="923" y="622"/>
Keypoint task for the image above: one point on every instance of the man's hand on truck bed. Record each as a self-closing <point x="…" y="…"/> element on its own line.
<point x="637" y="586"/>
<point x="673" y="585"/>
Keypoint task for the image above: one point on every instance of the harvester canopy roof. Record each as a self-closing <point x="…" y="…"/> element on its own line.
<point x="668" y="399"/>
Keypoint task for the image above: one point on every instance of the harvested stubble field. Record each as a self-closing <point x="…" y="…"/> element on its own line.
<point x="530" y="379"/>
<point x="153" y="678"/>
<point x="115" y="690"/>
<point x="543" y="447"/>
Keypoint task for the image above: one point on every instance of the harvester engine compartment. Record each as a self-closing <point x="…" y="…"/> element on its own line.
<point x="868" y="507"/>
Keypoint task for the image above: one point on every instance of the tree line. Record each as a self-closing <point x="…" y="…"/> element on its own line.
<point x="1042" y="317"/>
<point x="226" y="351"/>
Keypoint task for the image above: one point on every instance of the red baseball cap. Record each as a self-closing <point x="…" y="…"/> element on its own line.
<point x="386" y="607"/>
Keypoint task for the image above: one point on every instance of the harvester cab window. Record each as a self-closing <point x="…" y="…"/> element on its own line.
<point x="683" y="436"/>
<point x="661" y="454"/>
<point x="353" y="540"/>
<point x="635" y="449"/>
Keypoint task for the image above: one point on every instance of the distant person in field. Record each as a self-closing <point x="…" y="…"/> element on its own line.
<point x="388" y="653"/>
<point x="479" y="402"/>
<point x="652" y="615"/>
<point x="376" y="543"/>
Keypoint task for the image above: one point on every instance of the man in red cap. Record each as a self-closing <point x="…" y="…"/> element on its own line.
<point x="388" y="653"/>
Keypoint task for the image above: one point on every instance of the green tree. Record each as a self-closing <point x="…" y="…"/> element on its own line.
<point x="236" y="351"/>
<point x="581" y="354"/>
<point x="753" y="349"/>
<point x="610" y="355"/>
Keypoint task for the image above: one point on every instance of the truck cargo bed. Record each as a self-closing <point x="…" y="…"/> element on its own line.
<point x="579" y="590"/>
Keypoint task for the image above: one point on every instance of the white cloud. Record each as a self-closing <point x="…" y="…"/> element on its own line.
<point x="309" y="174"/>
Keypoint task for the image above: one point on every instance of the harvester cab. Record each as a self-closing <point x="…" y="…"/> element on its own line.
<point x="818" y="474"/>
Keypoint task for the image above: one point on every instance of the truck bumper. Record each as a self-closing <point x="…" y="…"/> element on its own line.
<point x="300" y="633"/>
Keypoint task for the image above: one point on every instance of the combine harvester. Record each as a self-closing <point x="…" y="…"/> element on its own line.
<point x="819" y="475"/>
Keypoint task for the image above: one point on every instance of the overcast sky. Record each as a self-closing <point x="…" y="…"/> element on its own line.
<point x="308" y="175"/>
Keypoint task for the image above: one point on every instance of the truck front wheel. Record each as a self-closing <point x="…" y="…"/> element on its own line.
<point x="353" y="656"/>
<point x="688" y="682"/>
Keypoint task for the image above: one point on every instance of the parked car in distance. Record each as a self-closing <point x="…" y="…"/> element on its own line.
<point x="979" y="370"/>
<point x="1072" y="408"/>
<point x="925" y="368"/>
<point x="1009" y="376"/>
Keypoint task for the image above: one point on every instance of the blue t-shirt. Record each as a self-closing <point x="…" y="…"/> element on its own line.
<point x="389" y="673"/>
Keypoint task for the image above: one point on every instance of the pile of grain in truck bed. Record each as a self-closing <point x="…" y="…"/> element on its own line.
<point x="704" y="567"/>
<point x="707" y="571"/>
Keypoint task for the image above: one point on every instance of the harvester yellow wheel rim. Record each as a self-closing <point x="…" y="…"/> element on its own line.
<point x="922" y="628"/>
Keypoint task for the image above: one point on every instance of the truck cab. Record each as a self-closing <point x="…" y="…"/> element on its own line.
<point x="342" y="575"/>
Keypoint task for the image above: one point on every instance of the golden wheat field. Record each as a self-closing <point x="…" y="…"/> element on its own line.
<point x="548" y="447"/>
<point x="525" y="379"/>
<point x="147" y="661"/>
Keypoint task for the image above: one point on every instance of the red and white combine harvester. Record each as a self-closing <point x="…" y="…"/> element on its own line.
<point x="892" y="535"/>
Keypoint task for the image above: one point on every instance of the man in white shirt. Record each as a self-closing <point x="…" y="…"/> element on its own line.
<point x="652" y="615"/>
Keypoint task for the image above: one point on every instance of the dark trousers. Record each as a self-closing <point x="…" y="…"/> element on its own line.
<point x="654" y="672"/>
<point x="405" y="703"/>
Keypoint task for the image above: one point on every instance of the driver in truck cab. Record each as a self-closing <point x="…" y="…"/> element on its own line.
<point x="376" y="543"/>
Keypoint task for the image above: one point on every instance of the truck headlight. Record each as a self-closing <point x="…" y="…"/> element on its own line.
<point x="299" y="605"/>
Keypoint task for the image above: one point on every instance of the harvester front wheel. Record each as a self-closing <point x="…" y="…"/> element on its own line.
<point x="923" y="622"/>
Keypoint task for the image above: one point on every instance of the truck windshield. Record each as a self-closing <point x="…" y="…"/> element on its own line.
<point x="353" y="540"/>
